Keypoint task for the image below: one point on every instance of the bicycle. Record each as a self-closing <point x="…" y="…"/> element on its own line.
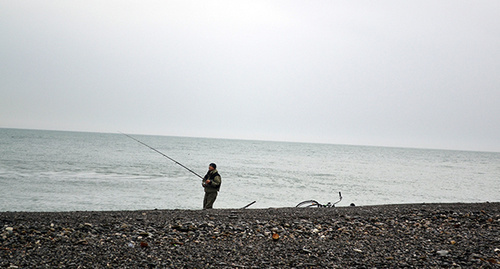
<point x="314" y="203"/>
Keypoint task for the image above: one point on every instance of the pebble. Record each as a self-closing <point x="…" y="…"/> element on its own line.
<point x="443" y="252"/>
<point x="389" y="236"/>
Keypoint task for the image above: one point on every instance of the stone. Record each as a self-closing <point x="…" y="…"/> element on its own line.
<point x="442" y="252"/>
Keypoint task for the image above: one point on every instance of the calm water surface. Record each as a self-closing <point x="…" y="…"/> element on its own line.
<point x="66" y="171"/>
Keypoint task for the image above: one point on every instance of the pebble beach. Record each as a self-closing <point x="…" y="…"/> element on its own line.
<point x="386" y="236"/>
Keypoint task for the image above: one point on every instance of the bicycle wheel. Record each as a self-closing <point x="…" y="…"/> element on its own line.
<point x="308" y="203"/>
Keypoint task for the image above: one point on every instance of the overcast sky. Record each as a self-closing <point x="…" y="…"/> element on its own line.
<point x="419" y="73"/>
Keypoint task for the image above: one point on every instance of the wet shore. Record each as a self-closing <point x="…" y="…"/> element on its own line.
<point x="387" y="236"/>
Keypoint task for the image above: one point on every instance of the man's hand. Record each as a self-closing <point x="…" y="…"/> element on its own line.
<point x="207" y="182"/>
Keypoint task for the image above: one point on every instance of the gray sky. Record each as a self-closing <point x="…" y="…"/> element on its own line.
<point x="389" y="73"/>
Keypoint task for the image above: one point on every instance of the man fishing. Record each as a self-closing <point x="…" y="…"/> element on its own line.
<point x="211" y="182"/>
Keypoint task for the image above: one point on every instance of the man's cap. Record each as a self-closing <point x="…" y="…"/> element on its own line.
<point x="213" y="165"/>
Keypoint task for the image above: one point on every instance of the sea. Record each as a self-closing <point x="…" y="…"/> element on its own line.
<point x="54" y="171"/>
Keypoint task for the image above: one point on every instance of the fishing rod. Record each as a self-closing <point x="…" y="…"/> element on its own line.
<point x="164" y="155"/>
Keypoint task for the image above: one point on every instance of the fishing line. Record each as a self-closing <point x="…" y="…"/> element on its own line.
<point x="163" y="154"/>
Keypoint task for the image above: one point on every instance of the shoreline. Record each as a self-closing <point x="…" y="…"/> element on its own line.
<point x="255" y="208"/>
<point x="393" y="235"/>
